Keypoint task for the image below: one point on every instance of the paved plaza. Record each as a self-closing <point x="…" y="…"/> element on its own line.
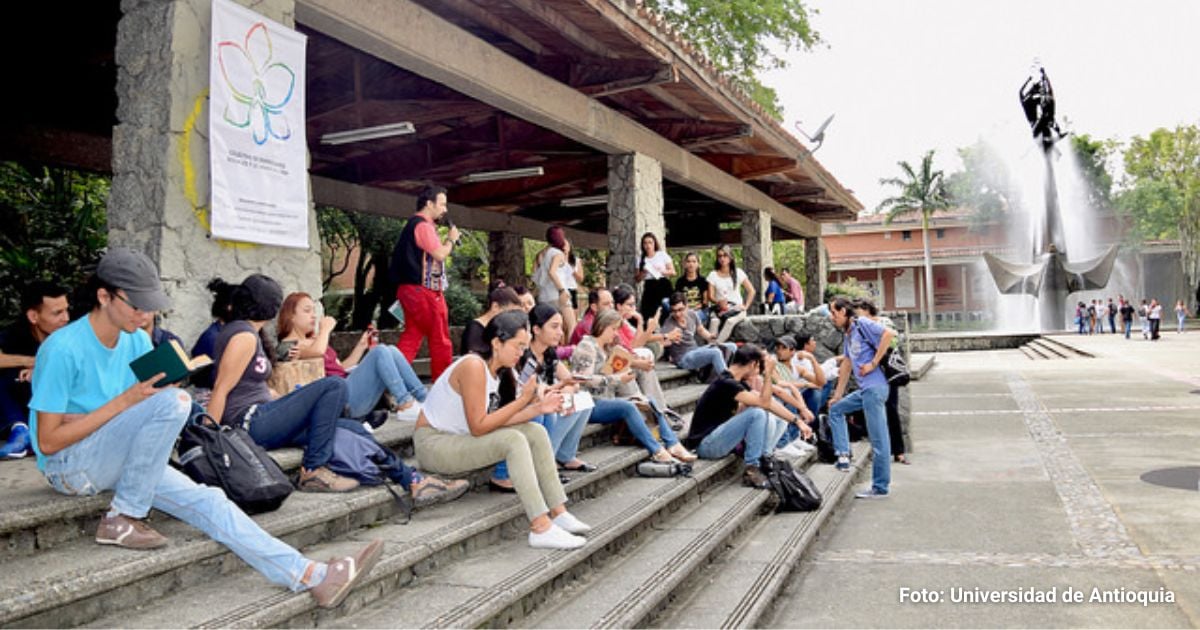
<point x="1028" y="481"/>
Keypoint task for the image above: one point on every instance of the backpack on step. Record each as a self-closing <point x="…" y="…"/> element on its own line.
<point x="226" y="457"/>
<point x="358" y="456"/>
<point x="796" y="491"/>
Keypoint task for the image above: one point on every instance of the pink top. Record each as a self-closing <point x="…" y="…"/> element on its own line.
<point x="427" y="237"/>
<point x="332" y="367"/>
<point x="797" y="291"/>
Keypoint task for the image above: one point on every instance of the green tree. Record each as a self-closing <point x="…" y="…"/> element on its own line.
<point x="741" y="37"/>
<point x="55" y="225"/>
<point x="984" y="185"/>
<point x="1093" y="161"/>
<point x="1162" y="192"/>
<point x="924" y="192"/>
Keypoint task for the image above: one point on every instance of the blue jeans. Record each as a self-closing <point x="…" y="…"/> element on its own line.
<point x="129" y="456"/>
<point x="697" y="358"/>
<point x="872" y="401"/>
<point x="610" y="410"/>
<point x="564" y="432"/>
<point x="1128" y="327"/>
<point x="383" y="367"/>
<point x="701" y="314"/>
<point x="753" y="426"/>
<point x="307" y="417"/>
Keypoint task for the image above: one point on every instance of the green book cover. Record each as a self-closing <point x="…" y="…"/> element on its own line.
<point x="170" y="359"/>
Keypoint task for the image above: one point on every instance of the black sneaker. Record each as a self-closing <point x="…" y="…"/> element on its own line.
<point x="376" y="418"/>
<point x="754" y="478"/>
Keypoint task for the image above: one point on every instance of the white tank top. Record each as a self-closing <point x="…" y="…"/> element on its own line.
<point x="443" y="407"/>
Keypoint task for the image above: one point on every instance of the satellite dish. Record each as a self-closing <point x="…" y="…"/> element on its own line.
<point x="818" y="137"/>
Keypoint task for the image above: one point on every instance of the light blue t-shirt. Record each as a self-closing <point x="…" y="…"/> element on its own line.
<point x="860" y="345"/>
<point x="75" y="373"/>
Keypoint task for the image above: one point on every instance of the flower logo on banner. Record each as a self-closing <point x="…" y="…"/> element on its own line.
<point x="260" y="88"/>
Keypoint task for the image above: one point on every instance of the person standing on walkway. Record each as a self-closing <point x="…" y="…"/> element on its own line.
<point x="864" y="343"/>
<point x="655" y="270"/>
<point x="1127" y="316"/>
<point x="1144" y="315"/>
<point x="1155" y="317"/>
<point x="1112" y="316"/>
<point x="418" y="266"/>
<point x="1181" y="314"/>
<point x="97" y="428"/>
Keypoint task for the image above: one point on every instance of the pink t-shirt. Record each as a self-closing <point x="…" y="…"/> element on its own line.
<point x="427" y="237"/>
<point x="332" y="367"/>
<point x="797" y="291"/>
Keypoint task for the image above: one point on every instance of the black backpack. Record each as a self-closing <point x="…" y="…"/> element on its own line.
<point x="796" y="491"/>
<point x="226" y="457"/>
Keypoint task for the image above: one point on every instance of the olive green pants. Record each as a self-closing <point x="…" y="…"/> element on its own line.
<point x="526" y="448"/>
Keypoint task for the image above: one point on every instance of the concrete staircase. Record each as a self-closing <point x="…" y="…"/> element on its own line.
<point x="1051" y="348"/>
<point x="659" y="544"/>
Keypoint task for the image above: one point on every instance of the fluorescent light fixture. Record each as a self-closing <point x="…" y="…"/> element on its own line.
<point x="491" y="176"/>
<point x="368" y="133"/>
<point x="593" y="200"/>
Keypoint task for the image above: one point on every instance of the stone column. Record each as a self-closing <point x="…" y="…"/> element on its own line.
<point x="635" y="206"/>
<point x="159" y="201"/>
<point x="757" y="250"/>
<point x="506" y="257"/>
<point x="815" y="274"/>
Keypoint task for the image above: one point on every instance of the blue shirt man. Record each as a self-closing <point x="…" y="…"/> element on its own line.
<point x="865" y="344"/>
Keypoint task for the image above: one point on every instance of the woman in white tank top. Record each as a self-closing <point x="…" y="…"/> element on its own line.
<point x="462" y="427"/>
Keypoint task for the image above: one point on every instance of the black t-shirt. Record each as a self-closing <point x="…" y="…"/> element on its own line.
<point x="693" y="290"/>
<point x="472" y="338"/>
<point x="14" y="397"/>
<point x="717" y="405"/>
<point x="1127" y="312"/>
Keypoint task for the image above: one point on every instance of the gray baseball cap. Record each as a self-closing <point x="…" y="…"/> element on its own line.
<point x="134" y="273"/>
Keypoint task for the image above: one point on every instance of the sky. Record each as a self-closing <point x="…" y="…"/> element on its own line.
<point x="903" y="77"/>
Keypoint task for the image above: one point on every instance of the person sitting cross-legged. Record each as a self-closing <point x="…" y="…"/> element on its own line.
<point x="97" y="428"/>
<point x="730" y="412"/>
<point x="683" y="350"/>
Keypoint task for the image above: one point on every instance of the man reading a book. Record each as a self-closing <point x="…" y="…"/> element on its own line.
<point x="97" y="428"/>
<point x="43" y="311"/>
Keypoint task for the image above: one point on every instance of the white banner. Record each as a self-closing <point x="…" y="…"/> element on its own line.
<point x="257" y="147"/>
<point x="906" y="288"/>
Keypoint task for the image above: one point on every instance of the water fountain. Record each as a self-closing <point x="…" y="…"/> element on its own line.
<point x="1050" y="276"/>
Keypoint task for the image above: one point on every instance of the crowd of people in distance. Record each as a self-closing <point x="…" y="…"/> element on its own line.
<point x="534" y="370"/>
<point x="1091" y="316"/>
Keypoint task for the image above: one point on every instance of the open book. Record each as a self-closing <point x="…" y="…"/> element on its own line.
<point x="170" y="359"/>
<point x="618" y="361"/>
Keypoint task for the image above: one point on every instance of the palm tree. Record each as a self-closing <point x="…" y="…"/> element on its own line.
<point x="922" y="191"/>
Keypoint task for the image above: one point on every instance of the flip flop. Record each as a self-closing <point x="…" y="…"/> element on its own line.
<point x="582" y="467"/>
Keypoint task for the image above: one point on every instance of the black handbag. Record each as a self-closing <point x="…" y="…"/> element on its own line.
<point x="796" y="491"/>
<point x="226" y="457"/>
<point x="895" y="368"/>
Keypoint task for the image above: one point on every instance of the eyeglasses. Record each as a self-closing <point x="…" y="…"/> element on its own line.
<point x="127" y="302"/>
<point x="678" y="309"/>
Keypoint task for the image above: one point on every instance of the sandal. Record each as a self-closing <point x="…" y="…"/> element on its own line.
<point x="901" y="459"/>
<point x="496" y="487"/>
<point x="580" y="466"/>
<point x="682" y="454"/>
<point x="664" y="457"/>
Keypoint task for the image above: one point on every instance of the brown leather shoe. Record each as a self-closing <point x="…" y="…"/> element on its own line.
<point x="131" y="533"/>
<point x="324" y="480"/>
<point x="755" y="478"/>
<point x="343" y="574"/>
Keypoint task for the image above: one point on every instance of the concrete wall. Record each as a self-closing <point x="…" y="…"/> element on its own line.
<point x="160" y="192"/>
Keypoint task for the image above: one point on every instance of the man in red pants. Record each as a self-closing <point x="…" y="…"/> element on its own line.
<point x="418" y="265"/>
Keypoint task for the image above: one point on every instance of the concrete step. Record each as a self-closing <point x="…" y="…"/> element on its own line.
<point x="497" y="587"/>
<point x="740" y="589"/>
<point x="81" y="581"/>
<point x="1066" y="347"/>
<point x="630" y="588"/>
<point x="1034" y="352"/>
<point x="1052" y="351"/>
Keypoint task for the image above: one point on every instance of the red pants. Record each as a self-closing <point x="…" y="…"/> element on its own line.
<point x="425" y="316"/>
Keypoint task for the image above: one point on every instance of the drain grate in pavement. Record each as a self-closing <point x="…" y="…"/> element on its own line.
<point x="1182" y="478"/>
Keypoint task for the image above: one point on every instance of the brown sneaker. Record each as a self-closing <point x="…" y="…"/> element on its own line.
<point x="343" y="574"/>
<point x="431" y="490"/>
<point x="324" y="480"/>
<point x="755" y="478"/>
<point x="131" y="533"/>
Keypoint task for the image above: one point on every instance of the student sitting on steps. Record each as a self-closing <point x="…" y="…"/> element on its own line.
<point x="96" y="428"/>
<point x="463" y="427"/>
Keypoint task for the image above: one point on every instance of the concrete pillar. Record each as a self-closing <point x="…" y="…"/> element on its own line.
<point x="506" y="257"/>
<point x="758" y="253"/>
<point x="815" y="274"/>
<point x="635" y="206"/>
<point x="159" y="201"/>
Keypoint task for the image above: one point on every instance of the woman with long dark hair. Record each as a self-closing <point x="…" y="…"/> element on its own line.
<point x="655" y="270"/>
<point x="551" y="272"/>
<point x="306" y="417"/>
<point x="463" y="426"/>
<point x="725" y="284"/>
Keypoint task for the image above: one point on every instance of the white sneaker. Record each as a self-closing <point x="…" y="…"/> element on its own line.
<point x="555" y="538"/>
<point x="410" y="414"/>
<point x="790" y="452"/>
<point x="572" y="525"/>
